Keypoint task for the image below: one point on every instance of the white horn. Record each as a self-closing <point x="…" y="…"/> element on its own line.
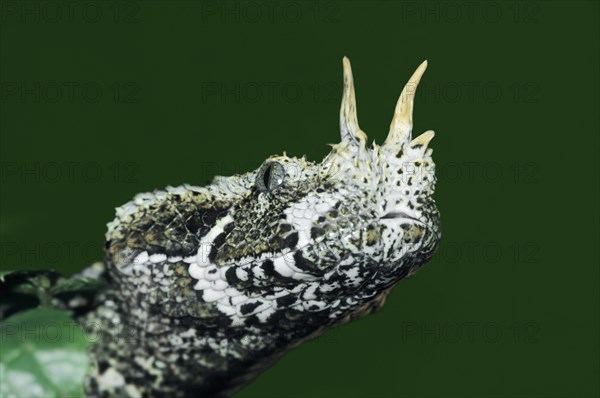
<point x="423" y="139"/>
<point x="401" y="126"/>
<point x="349" y="129"/>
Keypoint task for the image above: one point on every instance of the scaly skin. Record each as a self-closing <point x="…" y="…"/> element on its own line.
<point x="210" y="285"/>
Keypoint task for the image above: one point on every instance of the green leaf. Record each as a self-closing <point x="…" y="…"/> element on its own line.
<point x="12" y="277"/>
<point x="77" y="284"/>
<point x="44" y="354"/>
<point x="3" y="274"/>
<point x="22" y="290"/>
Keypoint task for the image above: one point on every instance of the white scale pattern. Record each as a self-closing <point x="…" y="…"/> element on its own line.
<point x="228" y="299"/>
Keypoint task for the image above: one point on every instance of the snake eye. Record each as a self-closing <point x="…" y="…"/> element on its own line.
<point x="270" y="176"/>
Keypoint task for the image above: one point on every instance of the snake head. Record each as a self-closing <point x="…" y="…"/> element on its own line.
<point x="218" y="281"/>
<point x="304" y="245"/>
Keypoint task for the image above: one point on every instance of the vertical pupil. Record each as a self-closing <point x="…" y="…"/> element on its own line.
<point x="267" y="176"/>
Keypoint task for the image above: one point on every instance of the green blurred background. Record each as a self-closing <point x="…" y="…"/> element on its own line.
<point x="101" y="100"/>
